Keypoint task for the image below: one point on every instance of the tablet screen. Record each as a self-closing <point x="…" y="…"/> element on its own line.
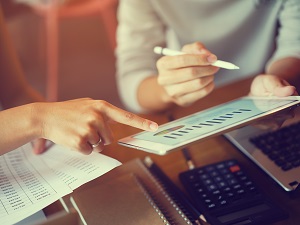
<point x="212" y="120"/>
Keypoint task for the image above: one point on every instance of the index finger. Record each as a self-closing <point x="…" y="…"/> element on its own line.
<point x="128" y="118"/>
<point x="186" y="60"/>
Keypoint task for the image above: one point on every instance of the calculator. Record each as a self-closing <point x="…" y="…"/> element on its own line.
<point x="225" y="195"/>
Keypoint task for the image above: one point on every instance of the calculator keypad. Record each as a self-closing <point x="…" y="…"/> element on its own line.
<point x="219" y="185"/>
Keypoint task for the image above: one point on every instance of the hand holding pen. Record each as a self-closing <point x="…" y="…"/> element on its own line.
<point x="187" y="76"/>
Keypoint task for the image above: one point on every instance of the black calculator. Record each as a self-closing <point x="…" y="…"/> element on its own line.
<point x="225" y="195"/>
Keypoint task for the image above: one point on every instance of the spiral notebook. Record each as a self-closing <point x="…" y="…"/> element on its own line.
<point x="137" y="192"/>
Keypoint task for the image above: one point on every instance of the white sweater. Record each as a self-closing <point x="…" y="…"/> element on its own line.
<point x="249" y="33"/>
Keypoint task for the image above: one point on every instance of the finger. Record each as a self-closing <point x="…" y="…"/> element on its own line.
<point x="184" y="88"/>
<point x="190" y="98"/>
<point x="185" y="74"/>
<point x="186" y="60"/>
<point x="284" y="91"/>
<point x="99" y="145"/>
<point x="195" y="48"/>
<point x="127" y="118"/>
<point x="84" y="148"/>
<point x="39" y="146"/>
<point x="105" y="132"/>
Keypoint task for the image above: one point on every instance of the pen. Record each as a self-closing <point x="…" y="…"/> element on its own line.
<point x="188" y="158"/>
<point x="218" y="63"/>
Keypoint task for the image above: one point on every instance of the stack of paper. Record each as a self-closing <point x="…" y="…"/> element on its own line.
<point x="29" y="182"/>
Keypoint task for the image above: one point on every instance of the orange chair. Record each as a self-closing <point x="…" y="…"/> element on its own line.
<point x="52" y="11"/>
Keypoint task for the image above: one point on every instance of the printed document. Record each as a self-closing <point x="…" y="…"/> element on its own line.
<point x="29" y="182"/>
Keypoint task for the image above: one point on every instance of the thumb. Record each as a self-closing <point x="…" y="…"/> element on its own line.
<point x="39" y="146"/>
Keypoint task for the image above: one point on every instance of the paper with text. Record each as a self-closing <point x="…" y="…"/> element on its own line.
<point x="29" y="182"/>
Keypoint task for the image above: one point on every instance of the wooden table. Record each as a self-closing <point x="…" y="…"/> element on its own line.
<point x="205" y="152"/>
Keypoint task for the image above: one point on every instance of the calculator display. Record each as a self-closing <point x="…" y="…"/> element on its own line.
<point x="242" y="213"/>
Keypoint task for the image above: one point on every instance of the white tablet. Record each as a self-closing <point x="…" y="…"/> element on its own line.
<point x="208" y="123"/>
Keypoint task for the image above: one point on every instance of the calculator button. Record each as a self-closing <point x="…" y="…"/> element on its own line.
<point x="222" y="184"/>
<point x="204" y="176"/>
<point x="214" y="173"/>
<point x="220" y="166"/>
<point x="230" y="163"/>
<point x="218" y="179"/>
<point x="216" y="192"/>
<point x="211" y="206"/>
<point x="200" y="171"/>
<point x="230" y="195"/>
<point x="232" y="181"/>
<point x="237" y="186"/>
<point x="227" y="189"/>
<point x="243" y="178"/>
<point x="228" y="176"/>
<point x="200" y="190"/>
<point x="208" y="181"/>
<point x="224" y="171"/>
<point x="223" y="202"/>
<point x="240" y="191"/>
<point x="234" y="168"/>
<point x="208" y="201"/>
<point x="209" y="168"/>
<point x="212" y="187"/>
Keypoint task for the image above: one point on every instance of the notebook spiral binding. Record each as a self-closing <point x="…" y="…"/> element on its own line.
<point x="153" y="202"/>
<point x="171" y="197"/>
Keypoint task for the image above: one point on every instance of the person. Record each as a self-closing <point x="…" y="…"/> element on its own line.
<point x="80" y="124"/>
<point x="262" y="37"/>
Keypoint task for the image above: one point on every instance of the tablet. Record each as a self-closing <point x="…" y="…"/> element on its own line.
<point x="208" y="123"/>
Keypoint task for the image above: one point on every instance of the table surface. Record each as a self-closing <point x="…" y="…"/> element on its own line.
<point x="204" y="152"/>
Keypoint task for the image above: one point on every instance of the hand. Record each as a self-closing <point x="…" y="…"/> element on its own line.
<point x="187" y="78"/>
<point x="271" y="85"/>
<point x="80" y="123"/>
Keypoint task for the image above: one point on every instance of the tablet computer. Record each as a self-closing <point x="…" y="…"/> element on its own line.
<point x="207" y="123"/>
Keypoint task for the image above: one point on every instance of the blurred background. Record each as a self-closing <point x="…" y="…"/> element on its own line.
<point x="86" y="61"/>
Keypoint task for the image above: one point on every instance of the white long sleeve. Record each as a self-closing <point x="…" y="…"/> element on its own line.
<point x="242" y="32"/>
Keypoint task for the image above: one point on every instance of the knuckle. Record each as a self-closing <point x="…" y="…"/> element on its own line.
<point x="161" y="80"/>
<point x="102" y="104"/>
<point x="181" y="102"/>
<point x="208" y="88"/>
<point x="159" y="63"/>
<point x="198" y="45"/>
<point x="181" y="60"/>
<point x="203" y="81"/>
<point x="162" y="63"/>
<point x="129" y="116"/>
<point x="193" y="71"/>
<point x="171" y="93"/>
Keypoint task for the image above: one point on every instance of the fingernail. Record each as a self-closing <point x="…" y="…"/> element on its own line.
<point x="211" y="58"/>
<point x="153" y="126"/>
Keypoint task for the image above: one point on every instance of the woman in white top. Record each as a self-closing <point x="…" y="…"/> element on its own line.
<point x="262" y="37"/>
<point x="80" y="124"/>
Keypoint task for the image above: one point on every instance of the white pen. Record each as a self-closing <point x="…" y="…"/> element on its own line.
<point x="218" y="63"/>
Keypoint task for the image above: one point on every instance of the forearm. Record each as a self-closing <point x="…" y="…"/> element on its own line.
<point x="19" y="126"/>
<point x="152" y="97"/>
<point x="288" y="69"/>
